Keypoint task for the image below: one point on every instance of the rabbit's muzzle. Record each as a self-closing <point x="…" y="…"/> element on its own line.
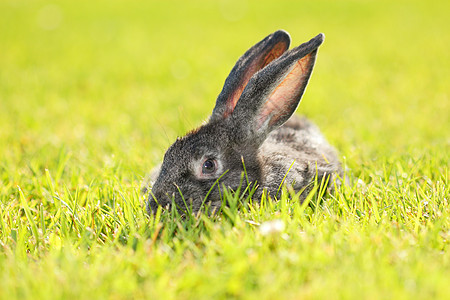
<point x="154" y="201"/>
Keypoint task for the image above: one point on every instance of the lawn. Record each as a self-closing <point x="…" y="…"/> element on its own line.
<point x="93" y="92"/>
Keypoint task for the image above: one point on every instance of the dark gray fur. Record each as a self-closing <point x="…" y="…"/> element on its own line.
<point x="269" y="145"/>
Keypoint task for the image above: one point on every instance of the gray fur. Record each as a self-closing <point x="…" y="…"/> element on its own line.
<point x="256" y="128"/>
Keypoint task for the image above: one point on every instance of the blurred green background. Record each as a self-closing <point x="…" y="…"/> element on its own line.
<point x="93" y="92"/>
<point x="116" y="81"/>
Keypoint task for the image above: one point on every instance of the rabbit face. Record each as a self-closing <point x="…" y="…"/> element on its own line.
<point x="201" y="163"/>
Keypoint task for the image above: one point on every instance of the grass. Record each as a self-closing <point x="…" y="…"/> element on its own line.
<point x="92" y="93"/>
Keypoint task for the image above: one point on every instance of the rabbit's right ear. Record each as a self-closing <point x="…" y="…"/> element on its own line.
<point x="256" y="58"/>
<point x="273" y="94"/>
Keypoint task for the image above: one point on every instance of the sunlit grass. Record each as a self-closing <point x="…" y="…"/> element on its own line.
<point x="92" y="93"/>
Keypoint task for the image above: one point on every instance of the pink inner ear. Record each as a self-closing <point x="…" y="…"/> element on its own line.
<point x="280" y="103"/>
<point x="259" y="63"/>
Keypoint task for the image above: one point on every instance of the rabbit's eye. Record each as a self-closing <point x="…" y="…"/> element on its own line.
<point x="209" y="166"/>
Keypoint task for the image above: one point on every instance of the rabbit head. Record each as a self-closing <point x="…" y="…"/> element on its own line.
<point x="261" y="93"/>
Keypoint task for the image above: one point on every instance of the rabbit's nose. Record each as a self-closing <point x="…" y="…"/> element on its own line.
<point x="157" y="200"/>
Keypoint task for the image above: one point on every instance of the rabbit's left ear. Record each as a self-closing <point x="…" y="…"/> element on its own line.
<point x="256" y="58"/>
<point x="273" y="94"/>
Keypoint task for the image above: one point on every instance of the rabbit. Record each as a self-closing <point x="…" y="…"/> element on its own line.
<point x="251" y="130"/>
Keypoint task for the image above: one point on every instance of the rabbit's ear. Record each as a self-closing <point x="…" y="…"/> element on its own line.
<point x="256" y="58"/>
<point x="273" y="94"/>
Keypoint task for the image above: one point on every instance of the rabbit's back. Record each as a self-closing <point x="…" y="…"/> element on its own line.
<point x="299" y="150"/>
